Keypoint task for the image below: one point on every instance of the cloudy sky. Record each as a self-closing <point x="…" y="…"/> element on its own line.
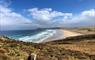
<point x="30" y="14"/>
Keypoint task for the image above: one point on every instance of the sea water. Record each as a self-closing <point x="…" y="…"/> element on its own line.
<point x="35" y="36"/>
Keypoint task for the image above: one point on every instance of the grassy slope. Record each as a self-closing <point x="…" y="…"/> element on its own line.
<point x="68" y="49"/>
<point x="85" y="30"/>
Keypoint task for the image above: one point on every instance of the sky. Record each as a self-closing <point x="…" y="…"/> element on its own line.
<point x="31" y="14"/>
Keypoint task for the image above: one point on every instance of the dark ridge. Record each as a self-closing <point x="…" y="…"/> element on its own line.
<point x="74" y="39"/>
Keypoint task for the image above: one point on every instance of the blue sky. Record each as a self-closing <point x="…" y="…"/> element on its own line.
<point x="73" y="6"/>
<point x="29" y="14"/>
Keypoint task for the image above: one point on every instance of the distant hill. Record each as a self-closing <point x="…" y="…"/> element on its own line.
<point x="85" y="30"/>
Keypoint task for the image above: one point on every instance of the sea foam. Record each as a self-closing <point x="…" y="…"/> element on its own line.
<point x="38" y="37"/>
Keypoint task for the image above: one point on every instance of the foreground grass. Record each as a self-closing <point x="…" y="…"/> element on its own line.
<point x="75" y="48"/>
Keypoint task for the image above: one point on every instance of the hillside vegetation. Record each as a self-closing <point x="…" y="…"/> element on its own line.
<point x="72" y="48"/>
<point x="85" y="30"/>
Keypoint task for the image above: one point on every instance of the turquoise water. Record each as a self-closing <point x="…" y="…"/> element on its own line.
<point x="35" y="36"/>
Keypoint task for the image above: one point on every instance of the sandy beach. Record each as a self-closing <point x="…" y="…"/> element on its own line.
<point x="68" y="33"/>
<point x="61" y="34"/>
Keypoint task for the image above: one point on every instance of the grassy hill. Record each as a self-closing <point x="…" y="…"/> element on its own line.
<point x="85" y="30"/>
<point x="72" y="48"/>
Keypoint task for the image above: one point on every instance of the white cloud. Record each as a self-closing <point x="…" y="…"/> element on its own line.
<point x="85" y="18"/>
<point x="45" y="17"/>
<point x="89" y="13"/>
<point x="46" y="14"/>
<point x="10" y="18"/>
<point x="48" y="17"/>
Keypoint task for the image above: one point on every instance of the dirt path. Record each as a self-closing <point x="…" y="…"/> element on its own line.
<point x="68" y="33"/>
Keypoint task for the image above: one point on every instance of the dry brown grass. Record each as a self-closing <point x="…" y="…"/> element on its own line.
<point x="85" y="47"/>
<point x="68" y="49"/>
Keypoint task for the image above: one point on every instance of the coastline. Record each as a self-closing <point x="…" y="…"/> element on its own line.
<point x="61" y="34"/>
<point x="57" y="36"/>
<point x="49" y="35"/>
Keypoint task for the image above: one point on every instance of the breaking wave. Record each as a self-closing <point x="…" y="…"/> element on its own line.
<point x="38" y="37"/>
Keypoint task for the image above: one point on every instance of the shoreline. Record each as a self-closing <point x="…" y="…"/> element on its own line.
<point x="58" y="35"/>
<point x="51" y="35"/>
<point x="61" y="34"/>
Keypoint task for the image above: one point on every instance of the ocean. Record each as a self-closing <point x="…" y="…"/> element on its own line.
<point x="35" y="36"/>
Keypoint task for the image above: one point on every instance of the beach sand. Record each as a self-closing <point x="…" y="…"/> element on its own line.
<point x="61" y="34"/>
<point x="68" y="33"/>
